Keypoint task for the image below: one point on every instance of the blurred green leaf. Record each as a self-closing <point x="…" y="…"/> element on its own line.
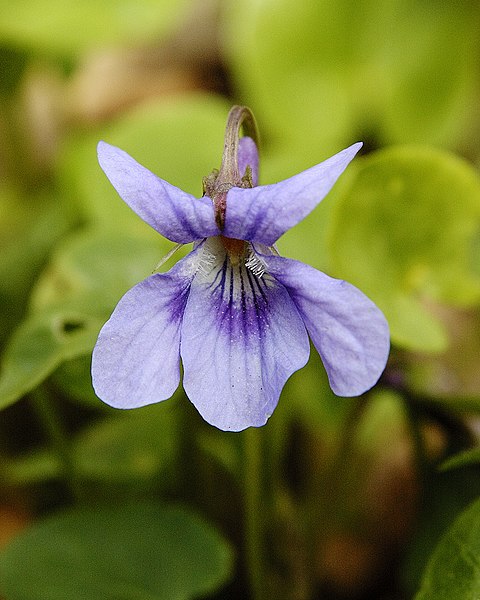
<point x="40" y="344"/>
<point x="445" y="496"/>
<point x="453" y="572"/>
<point x="124" y="447"/>
<point x="382" y="420"/>
<point x="224" y="451"/>
<point x="307" y="398"/>
<point x="67" y="26"/>
<point x="181" y="141"/>
<point x="132" y="445"/>
<point x="318" y="72"/>
<point x="404" y="233"/>
<point x="462" y="459"/>
<point x="433" y="61"/>
<point x="276" y="55"/>
<point x="309" y="240"/>
<point x="41" y="465"/>
<point x="96" y="268"/>
<point x="452" y="377"/>
<point x="134" y="552"/>
<point x="29" y="228"/>
<point x="73" y="379"/>
<point x="12" y="65"/>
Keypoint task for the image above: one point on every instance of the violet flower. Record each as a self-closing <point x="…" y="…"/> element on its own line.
<point x="236" y="313"/>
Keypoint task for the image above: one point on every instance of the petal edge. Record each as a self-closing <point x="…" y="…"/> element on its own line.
<point x="176" y="215"/>
<point x="262" y="214"/>
<point x="348" y="330"/>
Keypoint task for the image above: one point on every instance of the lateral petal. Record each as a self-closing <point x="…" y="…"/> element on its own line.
<point x="178" y="216"/>
<point x="264" y="213"/>
<point x="242" y="338"/>
<point x="136" y="360"/>
<point x="347" y="328"/>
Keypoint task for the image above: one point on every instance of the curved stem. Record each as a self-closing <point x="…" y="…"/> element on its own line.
<point x="239" y="117"/>
<point x="217" y="185"/>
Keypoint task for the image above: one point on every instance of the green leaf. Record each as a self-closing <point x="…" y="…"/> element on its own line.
<point x="404" y="233"/>
<point x="411" y="324"/>
<point x="40" y="344"/>
<point x="66" y="26"/>
<point x="453" y="572"/>
<point x="445" y="496"/>
<point x="141" y="551"/>
<point x="462" y="459"/>
<point x="181" y="141"/>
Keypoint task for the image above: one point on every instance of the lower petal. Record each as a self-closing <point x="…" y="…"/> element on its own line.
<point x="242" y="338"/>
<point x="348" y="330"/>
<point x="136" y="360"/>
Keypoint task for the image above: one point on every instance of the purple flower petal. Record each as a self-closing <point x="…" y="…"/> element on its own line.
<point x="136" y="360"/>
<point x="242" y="338"/>
<point x="348" y="330"/>
<point x="178" y="216"/>
<point x="248" y="155"/>
<point x="262" y="214"/>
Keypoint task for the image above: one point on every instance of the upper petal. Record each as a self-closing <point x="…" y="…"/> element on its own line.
<point x="264" y="213"/>
<point x="248" y="156"/>
<point x="178" y="216"/>
<point x="136" y="360"/>
<point x="347" y="328"/>
<point x="242" y="338"/>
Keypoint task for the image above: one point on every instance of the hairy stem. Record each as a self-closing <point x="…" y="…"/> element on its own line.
<point x="239" y="117"/>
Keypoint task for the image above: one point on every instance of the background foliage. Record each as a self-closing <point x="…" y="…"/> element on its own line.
<point x="375" y="497"/>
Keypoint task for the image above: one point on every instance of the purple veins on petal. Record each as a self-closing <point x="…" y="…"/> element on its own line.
<point x="178" y="216"/>
<point x="347" y="328"/>
<point x="136" y="360"/>
<point x="264" y="213"/>
<point x="242" y="337"/>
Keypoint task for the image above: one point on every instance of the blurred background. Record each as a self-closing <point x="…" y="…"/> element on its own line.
<point x="357" y="493"/>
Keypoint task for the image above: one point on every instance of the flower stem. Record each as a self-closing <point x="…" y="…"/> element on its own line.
<point x="254" y="517"/>
<point x="51" y="423"/>
<point x="238" y="117"/>
<point x="217" y="185"/>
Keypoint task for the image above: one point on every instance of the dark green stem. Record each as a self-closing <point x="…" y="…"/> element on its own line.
<point x="52" y="425"/>
<point x="254" y="514"/>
